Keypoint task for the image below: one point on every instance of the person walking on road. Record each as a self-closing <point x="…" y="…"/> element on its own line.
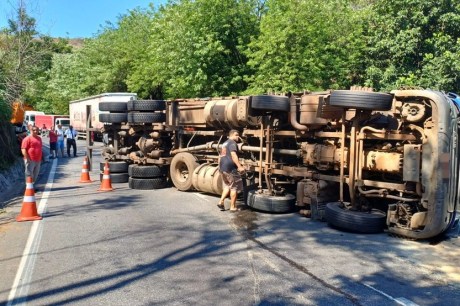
<point x="31" y="148"/>
<point x="230" y="169"/>
<point x="71" y="134"/>
<point x="60" y="140"/>
<point x="53" y="140"/>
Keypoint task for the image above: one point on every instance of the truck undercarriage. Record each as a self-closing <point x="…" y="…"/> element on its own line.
<point x="360" y="160"/>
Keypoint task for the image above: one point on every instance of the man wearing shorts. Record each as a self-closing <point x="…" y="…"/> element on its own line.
<point x="31" y="148"/>
<point x="53" y="140"/>
<point x="230" y="168"/>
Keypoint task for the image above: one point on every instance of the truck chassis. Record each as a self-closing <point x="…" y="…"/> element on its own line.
<point x="361" y="160"/>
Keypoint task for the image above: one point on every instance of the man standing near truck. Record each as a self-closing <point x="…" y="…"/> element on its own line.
<point x="53" y="140"/>
<point x="230" y="168"/>
<point x="60" y="140"/>
<point x="71" y="134"/>
<point x="31" y="148"/>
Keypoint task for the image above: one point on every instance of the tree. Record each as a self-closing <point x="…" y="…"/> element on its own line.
<point x="21" y="59"/>
<point x="307" y="44"/>
<point x="18" y="54"/>
<point x="196" y="48"/>
<point x="103" y="64"/>
<point x="414" y="43"/>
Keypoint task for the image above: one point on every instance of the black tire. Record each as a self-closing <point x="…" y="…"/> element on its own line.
<point x="355" y="221"/>
<point x="104" y="117"/>
<point x="146" y="105"/>
<point x="146" y="117"/>
<point x="115" y="166"/>
<point x="145" y="171"/>
<point x="268" y="203"/>
<point x="116" y="177"/>
<point x="364" y="100"/>
<point x="113" y="117"/>
<point x="147" y="183"/>
<point x="270" y="103"/>
<point x="181" y="170"/>
<point x="113" y="106"/>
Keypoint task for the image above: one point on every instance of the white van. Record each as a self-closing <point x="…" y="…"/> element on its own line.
<point x="64" y="122"/>
<point x="29" y="117"/>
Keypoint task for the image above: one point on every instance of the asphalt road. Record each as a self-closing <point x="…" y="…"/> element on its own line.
<point x="165" y="247"/>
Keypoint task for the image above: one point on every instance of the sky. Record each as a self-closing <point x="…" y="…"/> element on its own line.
<point x="72" y="18"/>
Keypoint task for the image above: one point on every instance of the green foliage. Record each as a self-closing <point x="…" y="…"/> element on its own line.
<point x="66" y="81"/>
<point x="17" y="55"/>
<point x="5" y="110"/>
<point x="196" y="48"/>
<point x="190" y="48"/>
<point x="102" y="65"/>
<point x="306" y="44"/>
<point x="414" y="42"/>
<point x="37" y="83"/>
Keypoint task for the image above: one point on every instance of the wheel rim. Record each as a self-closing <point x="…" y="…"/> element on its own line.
<point x="182" y="172"/>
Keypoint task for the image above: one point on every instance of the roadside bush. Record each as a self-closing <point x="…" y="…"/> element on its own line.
<point x="8" y="142"/>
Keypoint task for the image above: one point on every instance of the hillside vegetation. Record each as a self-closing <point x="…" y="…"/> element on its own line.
<point x="227" y="47"/>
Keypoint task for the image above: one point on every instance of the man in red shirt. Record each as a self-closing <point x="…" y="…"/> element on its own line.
<point x="31" y="149"/>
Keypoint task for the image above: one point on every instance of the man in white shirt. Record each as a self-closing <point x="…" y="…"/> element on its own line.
<point x="60" y="140"/>
<point x="71" y="135"/>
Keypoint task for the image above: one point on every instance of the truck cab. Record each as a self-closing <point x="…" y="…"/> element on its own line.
<point x="64" y="122"/>
<point x="29" y="117"/>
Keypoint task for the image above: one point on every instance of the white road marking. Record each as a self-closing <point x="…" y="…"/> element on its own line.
<point x="399" y="301"/>
<point x="21" y="282"/>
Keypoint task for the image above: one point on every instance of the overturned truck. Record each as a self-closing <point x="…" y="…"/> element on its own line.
<point x="361" y="160"/>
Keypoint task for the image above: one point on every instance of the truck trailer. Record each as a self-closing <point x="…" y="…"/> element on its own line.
<point x="46" y="122"/>
<point x="78" y="111"/>
<point x="360" y="160"/>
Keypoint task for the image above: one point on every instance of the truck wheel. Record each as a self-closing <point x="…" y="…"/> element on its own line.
<point x="146" y="117"/>
<point x="269" y="203"/>
<point x="104" y="117"/>
<point x="364" y="100"/>
<point x="116" y="177"/>
<point x="181" y="170"/>
<point x="146" y="105"/>
<point x="145" y="171"/>
<point x="113" y="117"/>
<point x="119" y="166"/>
<point x="270" y="103"/>
<point x="147" y="183"/>
<point x="337" y="215"/>
<point x="113" y="106"/>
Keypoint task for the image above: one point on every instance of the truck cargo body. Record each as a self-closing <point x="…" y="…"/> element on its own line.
<point x="78" y="116"/>
<point x="361" y="160"/>
<point x="46" y="122"/>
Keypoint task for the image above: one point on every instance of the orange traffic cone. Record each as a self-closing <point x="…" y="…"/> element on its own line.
<point x="106" y="183"/>
<point x="84" y="178"/>
<point x="29" y="207"/>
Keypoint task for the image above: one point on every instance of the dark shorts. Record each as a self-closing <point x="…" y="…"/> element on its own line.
<point x="52" y="146"/>
<point x="232" y="181"/>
